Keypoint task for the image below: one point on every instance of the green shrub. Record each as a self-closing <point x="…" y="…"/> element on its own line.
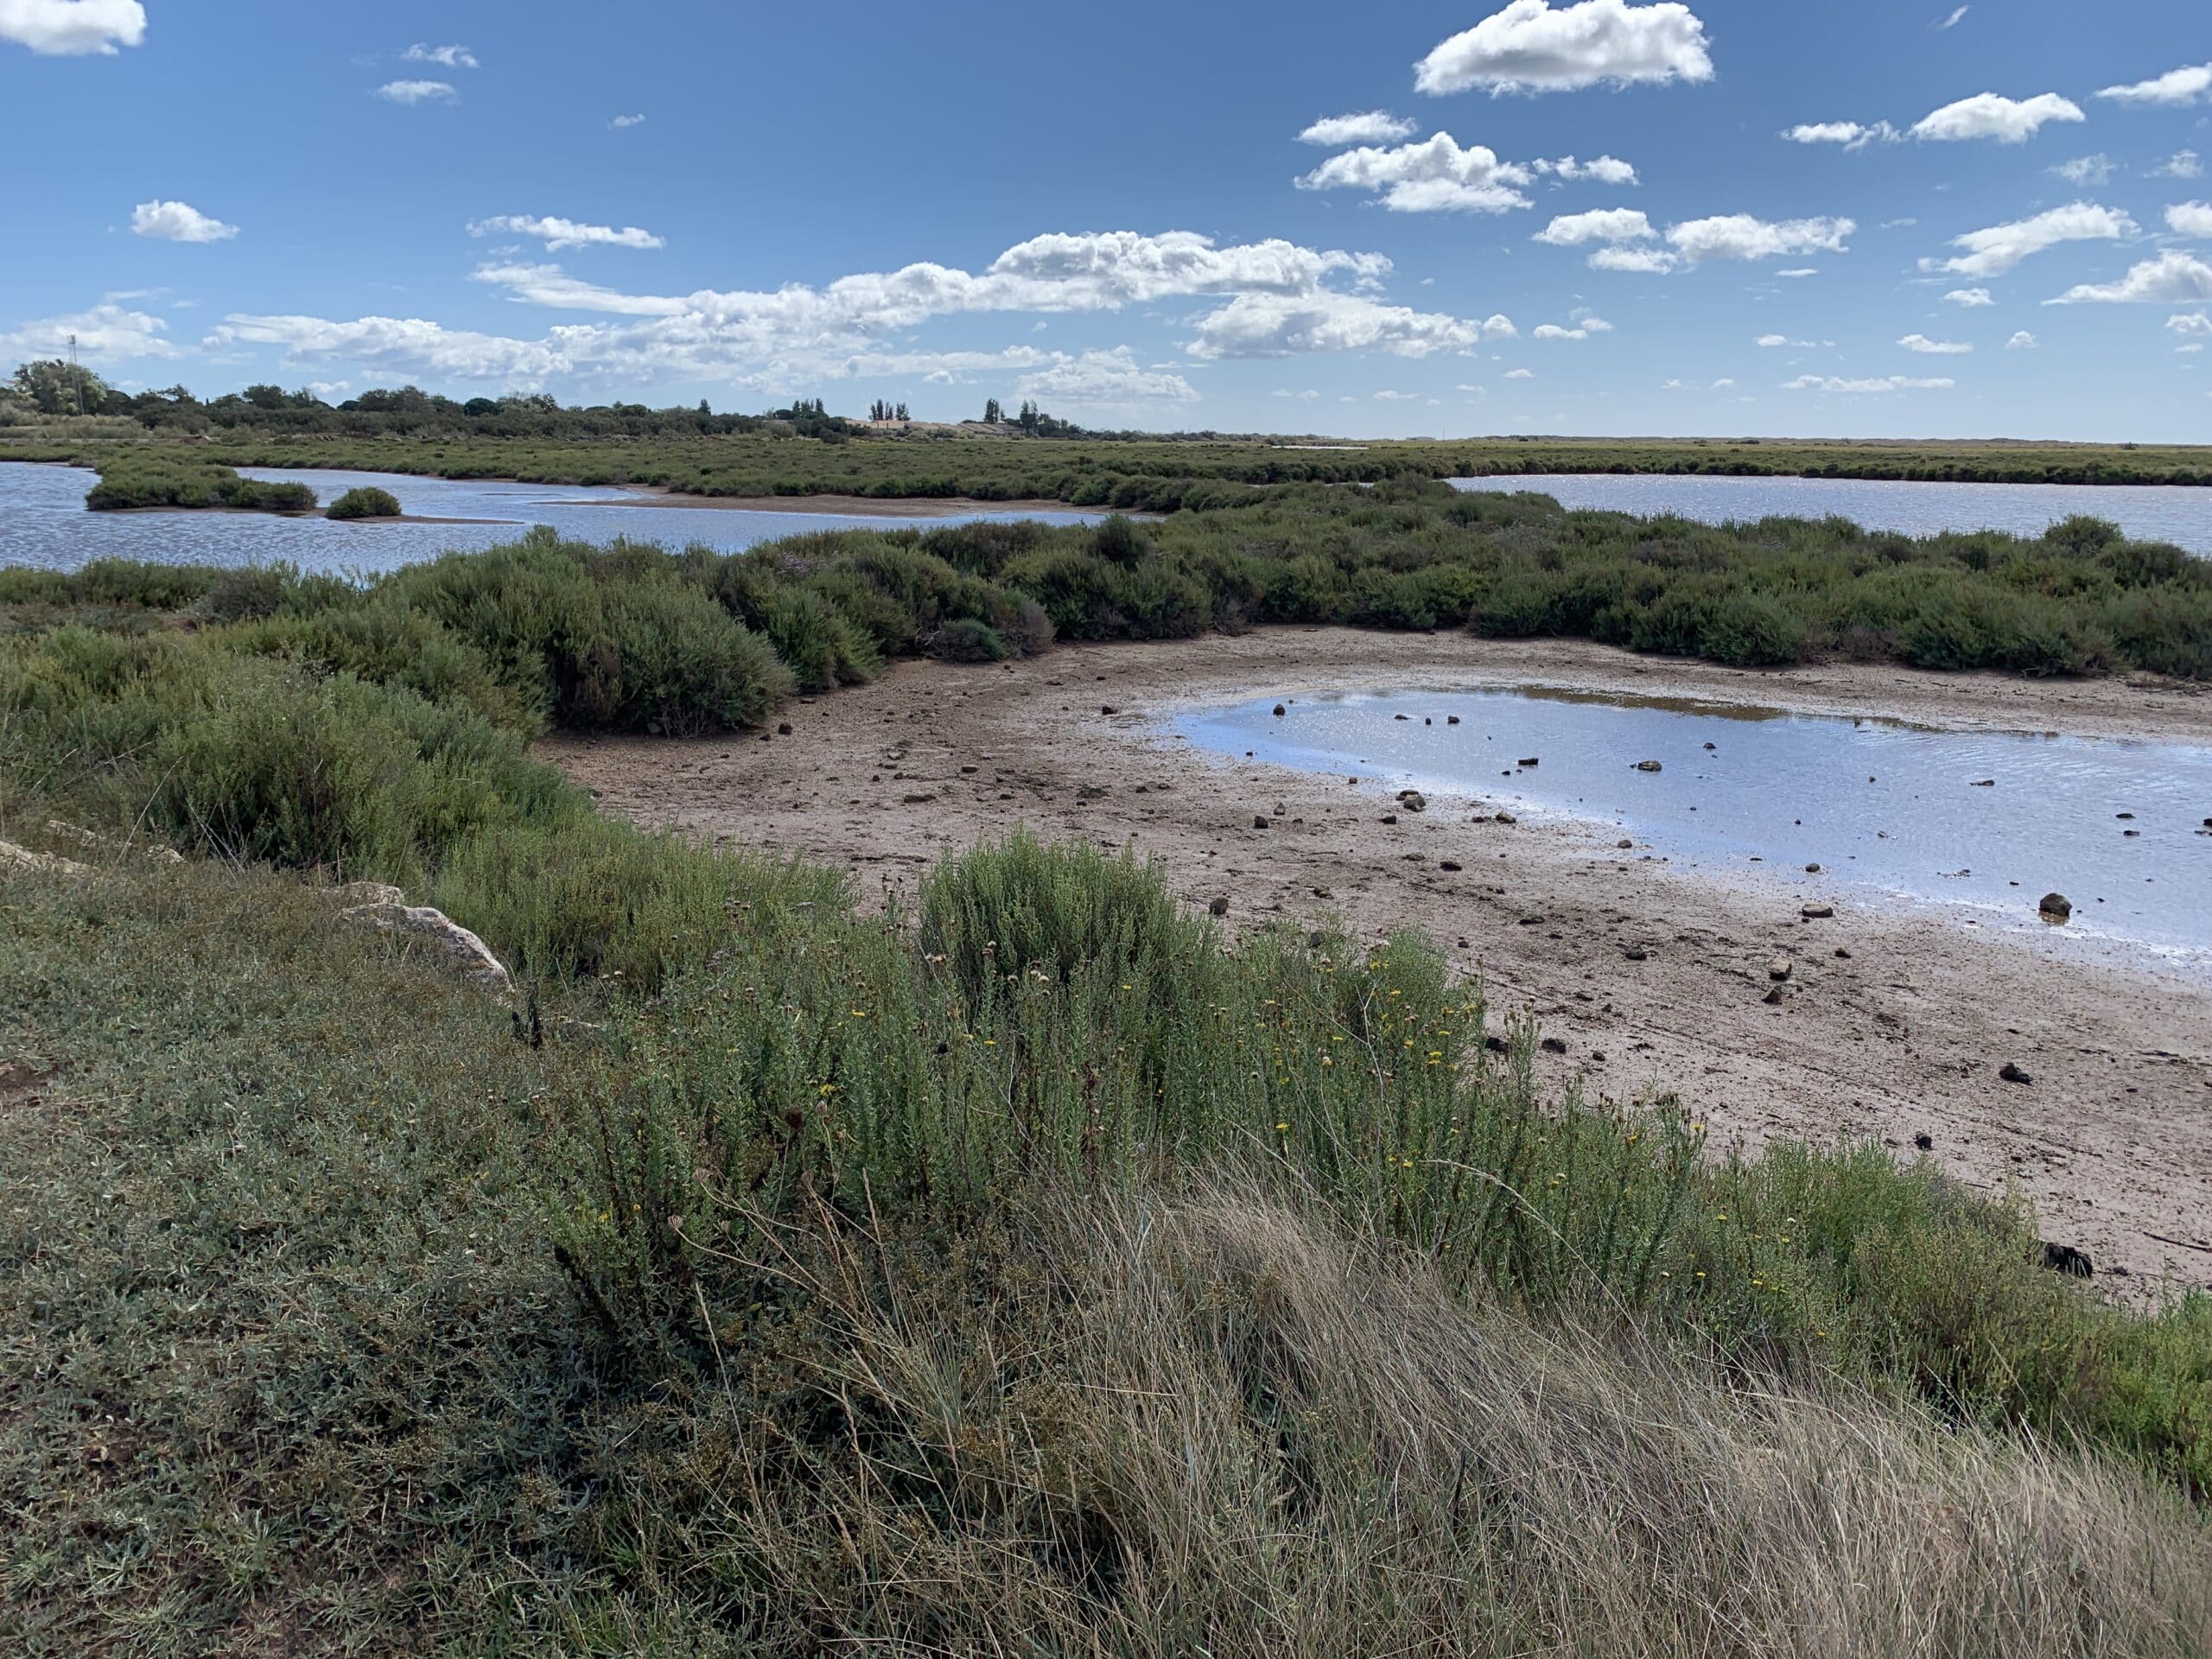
<point x="365" y="501"/>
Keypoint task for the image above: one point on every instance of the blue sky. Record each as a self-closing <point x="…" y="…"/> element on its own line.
<point x="1727" y="216"/>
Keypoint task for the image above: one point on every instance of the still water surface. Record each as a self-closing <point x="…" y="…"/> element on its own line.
<point x="43" y="522"/>
<point x="2178" y="513"/>
<point x="1983" y="822"/>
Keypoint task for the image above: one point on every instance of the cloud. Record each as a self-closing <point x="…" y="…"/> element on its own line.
<point x="64" y="28"/>
<point x="2191" y="326"/>
<point x="1993" y="251"/>
<point x="1605" y="169"/>
<point x="446" y="57"/>
<point x="1108" y="378"/>
<point x="1371" y="127"/>
<point x="1519" y="374"/>
<point x="624" y="122"/>
<point x="2192" y="219"/>
<point x="408" y="347"/>
<point x="1970" y="297"/>
<point x="2172" y="279"/>
<point x="1985" y="115"/>
<point x="1498" y="325"/>
<point x="177" y="221"/>
<point x="416" y="92"/>
<point x="2175" y="88"/>
<point x="1266" y="299"/>
<point x="1723" y="383"/>
<point x="1530" y="48"/>
<point x="1851" y="134"/>
<point x="1800" y="271"/>
<point x="1929" y="347"/>
<point x="1585" y="325"/>
<point x="1952" y="22"/>
<point x="1734" y="236"/>
<point x="107" y="333"/>
<point x="2023" y="341"/>
<point x="1885" y="382"/>
<point x="548" y="285"/>
<point x="1397" y="396"/>
<point x="2182" y="164"/>
<point x="1434" y="175"/>
<point x="1740" y="236"/>
<point x="1771" y="339"/>
<point x="1277" y="325"/>
<point x="2085" y="171"/>
<point x="1651" y="261"/>
<point x="559" y="233"/>
<point x="1308" y="395"/>
<point x="1613" y="225"/>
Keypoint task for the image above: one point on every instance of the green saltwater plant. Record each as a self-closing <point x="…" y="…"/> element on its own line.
<point x="364" y="501"/>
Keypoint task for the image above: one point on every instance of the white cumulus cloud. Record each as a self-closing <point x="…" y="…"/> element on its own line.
<point x="1740" y="235"/>
<point x="1648" y="262"/>
<point x="1883" y="383"/>
<point x="73" y="27"/>
<point x="2172" y="279"/>
<point x="1531" y="47"/>
<point x="2085" y="172"/>
<point x="2189" y="219"/>
<point x="624" y="122"/>
<point x="1987" y="115"/>
<point x="1970" y="297"/>
<point x="416" y="92"/>
<point x="1434" y="175"/>
<point x="2023" y="341"/>
<point x="1105" y="379"/>
<point x="1369" y="127"/>
<point x="1850" y="134"/>
<point x="1599" y="225"/>
<point x="1935" y="347"/>
<point x="2191" y="325"/>
<point x="177" y="221"/>
<point x="2182" y="164"/>
<point x="558" y="233"/>
<point x="1605" y="169"/>
<point x="1519" y="374"/>
<point x="106" y="333"/>
<point x="446" y="57"/>
<point x="1993" y="251"/>
<point x="2177" y="87"/>
<point x="1266" y="299"/>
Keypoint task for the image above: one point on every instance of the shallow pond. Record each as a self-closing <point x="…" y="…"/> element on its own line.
<point x="43" y="522"/>
<point x="2178" y="513"/>
<point x="1983" y="823"/>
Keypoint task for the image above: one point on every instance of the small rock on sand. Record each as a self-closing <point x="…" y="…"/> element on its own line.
<point x="1816" y="912"/>
<point x="1648" y="765"/>
<point x="1778" y="968"/>
<point x="2055" y="907"/>
<point x="2010" y="1072"/>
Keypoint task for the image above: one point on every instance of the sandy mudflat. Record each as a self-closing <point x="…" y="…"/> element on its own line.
<point x="2112" y="1138"/>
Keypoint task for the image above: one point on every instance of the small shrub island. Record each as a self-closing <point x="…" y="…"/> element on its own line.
<point x="367" y="502"/>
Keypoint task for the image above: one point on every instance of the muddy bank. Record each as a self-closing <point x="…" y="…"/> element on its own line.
<point x="1655" y="978"/>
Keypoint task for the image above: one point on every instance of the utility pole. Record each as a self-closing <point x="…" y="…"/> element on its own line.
<point x="76" y="376"/>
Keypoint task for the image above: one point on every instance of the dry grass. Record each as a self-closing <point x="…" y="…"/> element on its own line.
<point x="1212" y="1426"/>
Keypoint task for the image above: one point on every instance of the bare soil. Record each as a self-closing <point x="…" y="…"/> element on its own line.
<point x="1902" y="1037"/>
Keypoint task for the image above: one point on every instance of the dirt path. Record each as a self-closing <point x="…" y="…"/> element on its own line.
<point x="1905" y="1037"/>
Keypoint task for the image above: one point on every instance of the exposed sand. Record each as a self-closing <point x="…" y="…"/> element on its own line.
<point x="2112" y="1138"/>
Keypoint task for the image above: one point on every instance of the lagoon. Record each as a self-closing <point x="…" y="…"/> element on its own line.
<point x="2178" y="513"/>
<point x="1982" y="823"/>
<point x="44" y="524"/>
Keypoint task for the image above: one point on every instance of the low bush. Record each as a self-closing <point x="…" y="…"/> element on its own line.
<point x="364" y="501"/>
